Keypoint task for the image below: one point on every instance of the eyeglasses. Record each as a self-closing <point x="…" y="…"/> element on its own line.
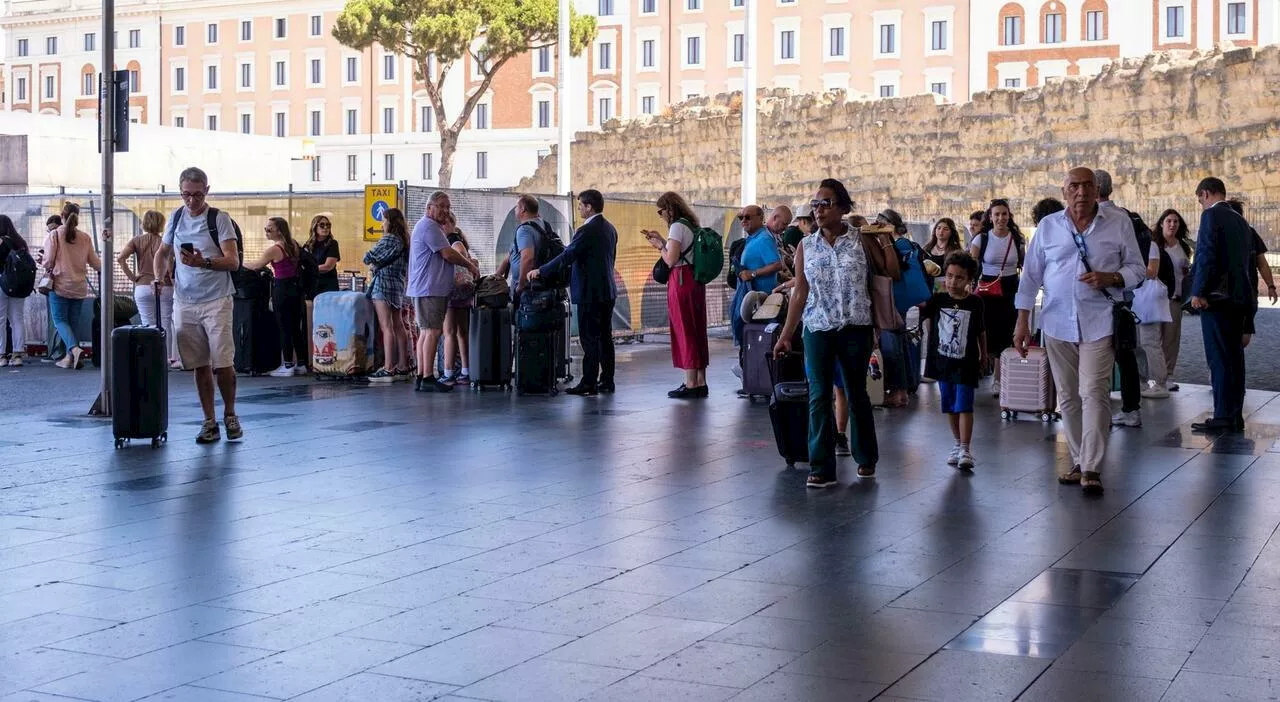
<point x="744" y="217"/>
<point x="820" y="204"/>
<point x="325" y="225"/>
<point x="194" y="195"/>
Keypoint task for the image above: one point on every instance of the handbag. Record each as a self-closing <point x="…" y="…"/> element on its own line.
<point x="661" y="272"/>
<point x="1124" y="323"/>
<point x="44" y="285"/>
<point x="995" y="288"/>
<point x="884" y="312"/>
<point x="1151" y="303"/>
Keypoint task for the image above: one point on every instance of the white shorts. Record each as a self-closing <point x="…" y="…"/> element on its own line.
<point x="205" y="335"/>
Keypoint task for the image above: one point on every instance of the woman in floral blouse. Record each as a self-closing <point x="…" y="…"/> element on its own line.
<point x="833" y="300"/>
<point x="389" y="260"/>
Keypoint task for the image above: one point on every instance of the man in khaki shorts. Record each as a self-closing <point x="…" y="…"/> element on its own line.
<point x="431" y="267"/>
<point x="202" y="299"/>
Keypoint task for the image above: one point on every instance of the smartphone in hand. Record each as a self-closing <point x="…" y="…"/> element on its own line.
<point x="189" y="248"/>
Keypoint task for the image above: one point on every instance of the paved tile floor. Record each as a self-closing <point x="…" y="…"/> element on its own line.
<point x="369" y="544"/>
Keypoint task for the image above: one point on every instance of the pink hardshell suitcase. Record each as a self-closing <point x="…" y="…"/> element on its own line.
<point x="1026" y="385"/>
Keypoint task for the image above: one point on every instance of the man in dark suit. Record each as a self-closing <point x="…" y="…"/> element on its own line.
<point x="1221" y="290"/>
<point x="592" y="288"/>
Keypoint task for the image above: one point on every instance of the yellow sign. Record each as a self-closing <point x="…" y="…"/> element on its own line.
<point x="377" y="200"/>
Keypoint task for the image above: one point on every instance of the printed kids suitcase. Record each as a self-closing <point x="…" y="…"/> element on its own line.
<point x="139" y="385"/>
<point x="343" y="335"/>
<point x="1026" y="385"/>
<point x="789" y="414"/>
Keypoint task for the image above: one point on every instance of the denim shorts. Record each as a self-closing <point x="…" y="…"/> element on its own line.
<point x="956" y="398"/>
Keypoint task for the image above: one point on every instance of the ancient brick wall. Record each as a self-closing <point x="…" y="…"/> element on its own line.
<point x="1159" y="125"/>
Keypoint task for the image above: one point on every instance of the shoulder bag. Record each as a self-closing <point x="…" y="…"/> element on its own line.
<point x="1124" y="323"/>
<point x="884" y="311"/>
<point x="44" y="285"/>
<point x="994" y="288"/>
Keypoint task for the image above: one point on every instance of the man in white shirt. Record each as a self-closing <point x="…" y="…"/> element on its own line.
<point x="1076" y="315"/>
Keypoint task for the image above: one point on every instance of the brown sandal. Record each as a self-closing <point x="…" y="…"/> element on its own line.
<point x="1072" y="478"/>
<point x="1092" y="483"/>
<point x="866" y="471"/>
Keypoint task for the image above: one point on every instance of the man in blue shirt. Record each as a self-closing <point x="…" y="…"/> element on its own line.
<point x="524" y="250"/>
<point x="431" y="268"/>
<point x="758" y="268"/>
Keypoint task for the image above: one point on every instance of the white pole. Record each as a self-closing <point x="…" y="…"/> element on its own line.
<point x="749" y="109"/>
<point x="106" y="295"/>
<point x="564" y="172"/>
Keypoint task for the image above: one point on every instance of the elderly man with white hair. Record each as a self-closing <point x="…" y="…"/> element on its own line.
<point x="431" y="262"/>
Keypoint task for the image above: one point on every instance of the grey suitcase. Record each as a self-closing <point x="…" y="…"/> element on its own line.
<point x="1026" y="385"/>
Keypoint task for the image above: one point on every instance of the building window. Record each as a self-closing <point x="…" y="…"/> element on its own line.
<point x="1013" y="82"/>
<point x="1095" y="26"/>
<point x="316" y="25"/>
<point x="315" y="123"/>
<point x="246" y="30"/>
<point x="180" y="35"/>
<point x="89" y="80"/>
<point x="90" y="42"/>
<point x="211" y="121"/>
<point x="246" y="75"/>
<point x="544" y="59"/>
<point x="135" y="81"/>
<point x="212" y="34"/>
<point x="886" y="91"/>
<point x="428" y="166"/>
<point x="606" y="8"/>
<point x="389" y="166"/>
<point x="281" y="124"/>
<point x="605" y="60"/>
<point x="888" y="39"/>
<point x="388" y="120"/>
<point x="481" y="118"/>
<point x="787" y="44"/>
<point x="938" y="35"/>
<point x="1174" y="21"/>
<point x="693" y="4"/>
<point x="1053" y="30"/>
<point x="179" y="79"/>
<point x="649" y="7"/>
<point x="211" y="78"/>
<point x="482" y="165"/>
<point x="51" y="46"/>
<point x="353" y="122"/>
<point x="353" y="70"/>
<point x="544" y="114"/>
<point x="282" y="27"/>
<point x="351" y="167"/>
<point x="1235" y="18"/>
<point x="389" y="67"/>
<point x="693" y="50"/>
<point x="23" y="48"/>
<point x="604" y="109"/>
<point x="938" y="89"/>
<point x="647" y="53"/>
<point x="315" y="169"/>
<point x="135" y="38"/>
<point x="428" y="118"/>
<point x="1012" y="31"/>
<point x="315" y="71"/>
<point x="282" y="73"/>
<point x="246" y="123"/>
<point x="836" y="39"/>
<point x="179" y="121"/>
<point x="647" y="105"/>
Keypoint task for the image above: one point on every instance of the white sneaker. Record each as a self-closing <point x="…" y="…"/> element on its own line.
<point x="299" y="369"/>
<point x="966" y="460"/>
<point x="953" y="459"/>
<point x="16" y="361"/>
<point x="4" y="361"/>
<point x="282" y="372"/>
<point x="1155" y="391"/>
<point x="1127" y="419"/>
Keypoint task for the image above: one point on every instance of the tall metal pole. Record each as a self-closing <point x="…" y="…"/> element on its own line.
<point x="749" y="108"/>
<point x="564" y="171"/>
<point x="106" y="296"/>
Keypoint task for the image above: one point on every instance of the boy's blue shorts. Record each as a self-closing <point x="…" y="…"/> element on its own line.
<point x="956" y="399"/>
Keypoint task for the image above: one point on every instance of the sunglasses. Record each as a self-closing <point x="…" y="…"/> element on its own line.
<point x="745" y="217"/>
<point x="820" y="204"/>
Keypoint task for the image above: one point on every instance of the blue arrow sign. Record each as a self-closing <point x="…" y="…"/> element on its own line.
<point x="379" y="210"/>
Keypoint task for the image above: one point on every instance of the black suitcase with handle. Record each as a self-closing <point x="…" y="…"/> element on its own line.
<point x="490" y="347"/>
<point x="789" y="414"/>
<point x="139" y="385"/>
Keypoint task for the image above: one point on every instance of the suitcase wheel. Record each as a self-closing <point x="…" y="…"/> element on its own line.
<point x="120" y="443"/>
<point x="791" y="464"/>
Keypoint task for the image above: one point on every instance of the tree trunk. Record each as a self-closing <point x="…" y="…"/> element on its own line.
<point x="448" y="145"/>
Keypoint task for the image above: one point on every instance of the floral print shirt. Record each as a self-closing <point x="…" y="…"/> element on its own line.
<point x="837" y="275"/>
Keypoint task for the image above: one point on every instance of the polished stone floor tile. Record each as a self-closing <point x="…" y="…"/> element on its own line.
<point x="1248" y="658"/>
<point x="161" y="631"/>
<point x="788" y="687"/>
<point x="725" y="664"/>
<point x="544" y="679"/>
<point x="965" y="675"/>
<point x="473" y="656"/>
<point x="637" y="642"/>
<point x="306" y="668"/>
<point x="1191" y="686"/>
<point x="832" y="660"/>
<point x="724" y="601"/>
<point x="371" y="686"/>
<point x="154" y="672"/>
<point x="639" y="688"/>
<point x="1060" y="684"/>
<point x="1128" y="660"/>
<point x="582" y="612"/>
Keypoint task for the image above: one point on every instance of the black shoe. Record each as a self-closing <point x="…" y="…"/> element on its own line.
<point x="702" y="393"/>
<point x="441" y="385"/>
<point x="742" y="392"/>
<point x="606" y="388"/>
<point x="842" y="445"/>
<point x="683" y="392"/>
<point x="1238" y="424"/>
<point x="417" y="382"/>
<point x="583" y="390"/>
<point x="1214" y="425"/>
<point x="427" y="384"/>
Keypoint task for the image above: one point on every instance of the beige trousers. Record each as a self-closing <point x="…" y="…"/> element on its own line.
<point x="1082" y="374"/>
<point x="1172" y="337"/>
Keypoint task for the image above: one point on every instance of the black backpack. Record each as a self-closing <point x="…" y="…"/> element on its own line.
<point x="549" y="247"/>
<point x="211" y="223"/>
<point x="308" y="273"/>
<point x="18" y="274"/>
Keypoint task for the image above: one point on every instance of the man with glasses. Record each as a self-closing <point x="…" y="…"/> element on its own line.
<point x="209" y="252"/>
<point x="431" y="262"/>
<point x="1079" y="257"/>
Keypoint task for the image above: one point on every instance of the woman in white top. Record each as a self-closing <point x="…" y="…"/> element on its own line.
<point x="686" y="297"/>
<point x="153" y="308"/>
<point x="1173" y="237"/>
<point x="832" y="298"/>
<point x="999" y="250"/>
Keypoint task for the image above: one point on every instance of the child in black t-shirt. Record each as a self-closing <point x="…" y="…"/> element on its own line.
<point x="957" y="350"/>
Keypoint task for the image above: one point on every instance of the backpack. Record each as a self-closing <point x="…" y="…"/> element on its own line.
<point x="550" y="246"/>
<point x="18" y="275"/>
<point x="308" y="273"/>
<point x="708" y="253"/>
<point x="211" y="223"/>
<point x="735" y="262"/>
<point x="913" y="287"/>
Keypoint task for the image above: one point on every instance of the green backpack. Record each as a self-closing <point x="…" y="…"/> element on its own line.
<point x="708" y="253"/>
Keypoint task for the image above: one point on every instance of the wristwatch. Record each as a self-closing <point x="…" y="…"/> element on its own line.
<point x="208" y="264"/>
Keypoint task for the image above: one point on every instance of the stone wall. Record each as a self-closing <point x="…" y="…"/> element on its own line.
<point x="1158" y="124"/>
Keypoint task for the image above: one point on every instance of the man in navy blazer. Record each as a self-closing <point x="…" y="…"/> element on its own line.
<point x="1221" y="290"/>
<point x="590" y="257"/>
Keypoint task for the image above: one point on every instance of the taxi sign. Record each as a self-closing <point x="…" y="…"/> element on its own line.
<point x="377" y="200"/>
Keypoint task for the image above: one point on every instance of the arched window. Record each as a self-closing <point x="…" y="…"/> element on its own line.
<point x="1053" y="23"/>
<point x="1011" y="25"/>
<point x="135" y="77"/>
<point x="1094" y="20"/>
<point x="88" y="80"/>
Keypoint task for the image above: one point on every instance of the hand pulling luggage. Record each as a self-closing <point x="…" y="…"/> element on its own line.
<point x="1026" y="385"/>
<point x="789" y="414"/>
<point x="139" y="385"/>
<point x="490" y="347"/>
<point x="537" y="364"/>
<point x="256" y="335"/>
<point x="343" y="335"/>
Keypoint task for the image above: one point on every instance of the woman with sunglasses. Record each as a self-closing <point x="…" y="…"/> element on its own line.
<point x="686" y="297"/>
<point x="324" y="249"/>
<point x="832" y="298"/>
<point x="1000" y="250"/>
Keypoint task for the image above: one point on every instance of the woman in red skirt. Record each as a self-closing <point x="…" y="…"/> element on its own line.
<point x="686" y="297"/>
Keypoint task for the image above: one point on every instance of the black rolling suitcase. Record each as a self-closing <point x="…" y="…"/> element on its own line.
<point x="789" y="414"/>
<point x="760" y="370"/>
<point x="490" y="342"/>
<point x="257" y="339"/>
<point x="539" y="362"/>
<point x="139" y="385"/>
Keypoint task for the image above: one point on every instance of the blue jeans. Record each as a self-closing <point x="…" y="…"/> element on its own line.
<point x="65" y="312"/>
<point x="849" y="349"/>
<point x="1223" y="325"/>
